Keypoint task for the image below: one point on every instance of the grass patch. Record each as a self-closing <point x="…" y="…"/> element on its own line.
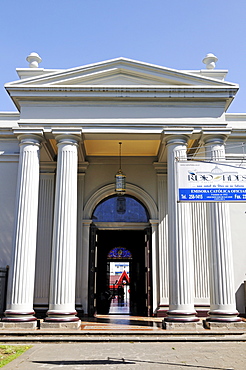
<point x="9" y="353"/>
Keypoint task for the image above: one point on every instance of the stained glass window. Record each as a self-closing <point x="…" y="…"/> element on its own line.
<point x="120" y="209"/>
<point x="120" y="252"/>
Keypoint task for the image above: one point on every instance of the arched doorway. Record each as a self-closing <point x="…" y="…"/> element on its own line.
<point x="120" y="222"/>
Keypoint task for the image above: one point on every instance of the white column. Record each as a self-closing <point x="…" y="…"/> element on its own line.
<point x="63" y="260"/>
<point x="181" y="265"/>
<point x="222" y="289"/>
<point x="22" y="270"/>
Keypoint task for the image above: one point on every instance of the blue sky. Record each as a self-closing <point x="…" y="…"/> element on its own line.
<point x="175" y="34"/>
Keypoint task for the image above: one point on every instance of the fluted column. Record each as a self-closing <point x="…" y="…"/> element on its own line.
<point x="222" y="289"/>
<point x="180" y="249"/>
<point x="22" y="270"/>
<point x="63" y="260"/>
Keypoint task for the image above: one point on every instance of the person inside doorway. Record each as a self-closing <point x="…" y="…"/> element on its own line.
<point x="121" y="294"/>
<point x="104" y="301"/>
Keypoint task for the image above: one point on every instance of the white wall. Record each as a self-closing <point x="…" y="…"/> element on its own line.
<point x="139" y="171"/>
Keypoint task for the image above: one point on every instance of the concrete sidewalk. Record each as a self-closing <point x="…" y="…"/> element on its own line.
<point x="134" y="355"/>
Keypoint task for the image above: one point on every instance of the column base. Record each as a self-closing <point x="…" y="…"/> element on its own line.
<point x="31" y="325"/>
<point x="221" y="316"/>
<point x="51" y="325"/>
<point x="233" y="325"/>
<point x="181" y="316"/>
<point x="13" y="316"/>
<point x="182" y="326"/>
<point x="55" y="316"/>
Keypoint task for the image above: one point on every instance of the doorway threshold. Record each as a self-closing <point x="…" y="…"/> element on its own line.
<point x="124" y="322"/>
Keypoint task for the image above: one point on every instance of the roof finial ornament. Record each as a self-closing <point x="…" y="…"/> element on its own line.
<point x="33" y="60"/>
<point x="210" y="60"/>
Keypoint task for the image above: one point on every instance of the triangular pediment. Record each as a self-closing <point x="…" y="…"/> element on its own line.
<point x="120" y="71"/>
<point x="115" y="76"/>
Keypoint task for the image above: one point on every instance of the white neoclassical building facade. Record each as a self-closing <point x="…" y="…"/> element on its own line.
<point x="61" y="218"/>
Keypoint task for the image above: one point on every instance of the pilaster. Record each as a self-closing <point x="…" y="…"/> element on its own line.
<point x="200" y="250"/>
<point x="155" y="266"/>
<point x="85" y="263"/>
<point x="80" y="246"/>
<point x="163" y="275"/>
<point x="44" y="240"/>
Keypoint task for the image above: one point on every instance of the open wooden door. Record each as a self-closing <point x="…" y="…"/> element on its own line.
<point x="92" y="271"/>
<point x="148" y="272"/>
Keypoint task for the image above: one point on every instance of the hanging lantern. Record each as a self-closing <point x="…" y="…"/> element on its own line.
<point x="120" y="178"/>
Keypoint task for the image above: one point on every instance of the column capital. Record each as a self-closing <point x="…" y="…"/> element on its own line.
<point x="29" y="136"/>
<point x="160" y="168"/>
<point x="82" y="167"/>
<point x="176" y="139"/>
<point x="210" y="135"/>
<point x="214" y="139"/>
<point x="67" y="136"/>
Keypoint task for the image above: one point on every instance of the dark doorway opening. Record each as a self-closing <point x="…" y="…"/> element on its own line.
<point x="137" y="242"/>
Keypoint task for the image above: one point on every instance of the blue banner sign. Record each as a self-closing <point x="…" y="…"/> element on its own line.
<point x="212" y="195"/>
<point x="211" y="181"/>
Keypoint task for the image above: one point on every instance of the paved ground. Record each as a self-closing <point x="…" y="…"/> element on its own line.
<point x="127" y="355"/>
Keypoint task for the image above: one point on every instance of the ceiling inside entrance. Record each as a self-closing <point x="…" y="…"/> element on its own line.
<point x="102" y="147"/>
<point x="129" y="147"/>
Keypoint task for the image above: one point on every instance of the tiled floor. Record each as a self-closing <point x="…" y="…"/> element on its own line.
<point x="119" y="306"/>
<point x="121" y="322"/>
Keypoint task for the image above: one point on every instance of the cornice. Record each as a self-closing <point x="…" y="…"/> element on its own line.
<point x="9" y="157"/>
<point x="123" y="126"/>
<point x="7" y="134"/>
<point x="238" y="134"/>
<point x="235" y="117"/>
<point x="14" y="115"/>
<point x="123" y="88"/>
<point x="122" y="93"/>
